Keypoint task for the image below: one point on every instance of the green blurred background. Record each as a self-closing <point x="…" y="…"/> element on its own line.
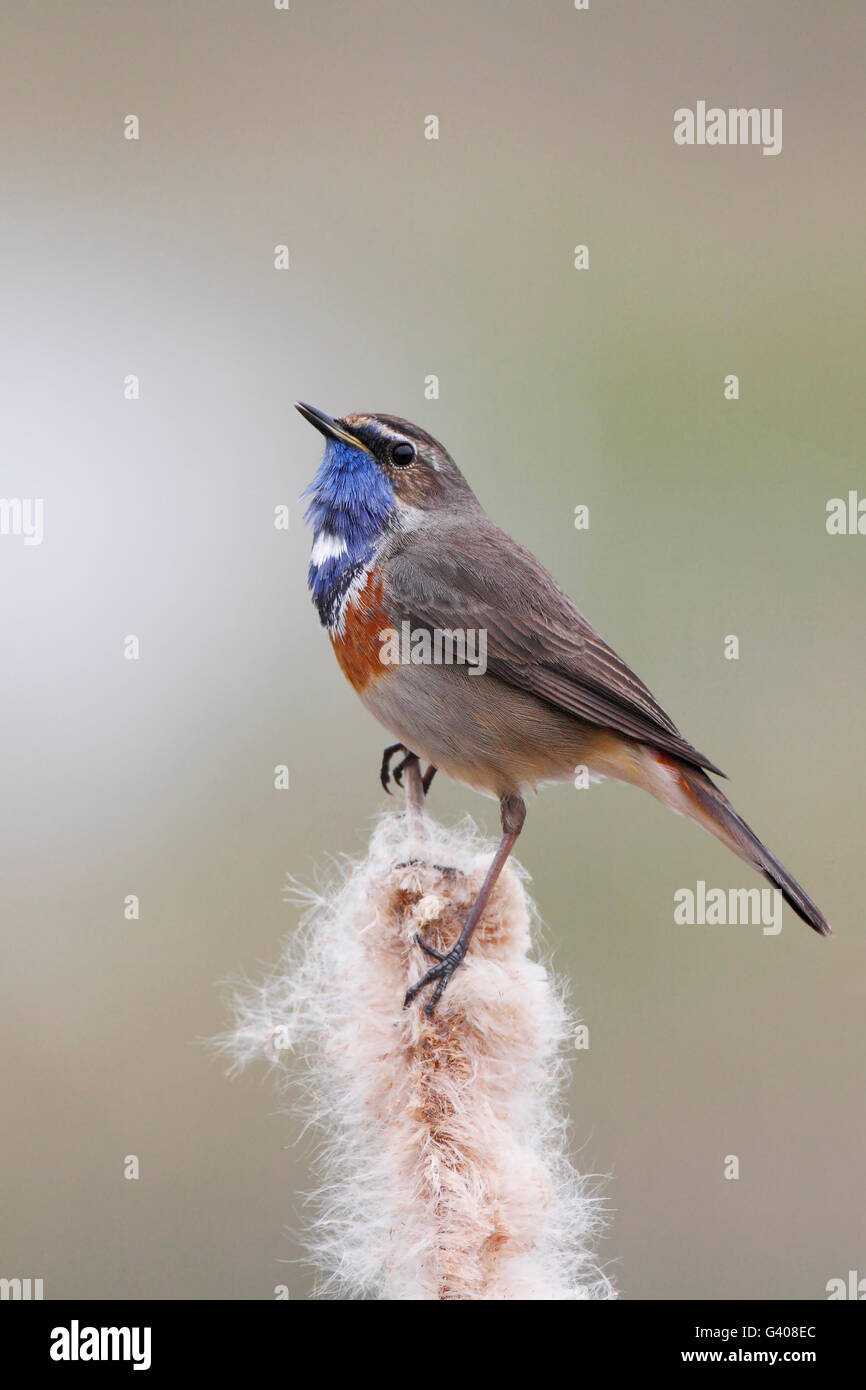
<point x="558" y="387"/>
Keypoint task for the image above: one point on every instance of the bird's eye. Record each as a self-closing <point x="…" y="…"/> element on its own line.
<point x="402" y="455"/>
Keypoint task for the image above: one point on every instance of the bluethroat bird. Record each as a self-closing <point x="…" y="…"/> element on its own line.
<point x="404" y="555"/>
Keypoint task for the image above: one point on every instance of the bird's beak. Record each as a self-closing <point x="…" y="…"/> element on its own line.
<point x="326" y="425"/>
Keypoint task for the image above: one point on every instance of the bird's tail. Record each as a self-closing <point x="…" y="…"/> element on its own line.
<point x="690" y="792"/>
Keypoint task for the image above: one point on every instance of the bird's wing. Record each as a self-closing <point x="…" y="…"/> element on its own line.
<point x="471" y="575"/>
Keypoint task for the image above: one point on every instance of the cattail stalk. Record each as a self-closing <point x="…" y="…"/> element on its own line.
<point x="443" y="1170"/>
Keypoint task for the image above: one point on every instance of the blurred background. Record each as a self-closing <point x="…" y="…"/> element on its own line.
<point x="558" y="387"/>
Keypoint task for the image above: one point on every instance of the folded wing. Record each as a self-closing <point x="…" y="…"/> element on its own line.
<point x="472" y="575"/>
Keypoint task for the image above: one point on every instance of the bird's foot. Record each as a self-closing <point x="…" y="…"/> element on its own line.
<point x="385" y="769"/>
<point x="386" y="773"/>
<point x="439" y="974"/>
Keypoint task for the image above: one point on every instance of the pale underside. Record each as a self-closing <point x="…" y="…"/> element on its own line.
<point x="494" y="738"/>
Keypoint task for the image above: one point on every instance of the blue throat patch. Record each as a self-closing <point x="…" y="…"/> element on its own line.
<point x="352" y="503"/>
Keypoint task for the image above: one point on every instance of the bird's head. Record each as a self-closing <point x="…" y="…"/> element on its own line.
<point x="378" y="471"/>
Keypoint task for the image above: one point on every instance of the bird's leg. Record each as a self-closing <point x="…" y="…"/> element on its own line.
<point x="513" y="810"/>
<point x="385" y="772"/>
<point x="413" y="792"/>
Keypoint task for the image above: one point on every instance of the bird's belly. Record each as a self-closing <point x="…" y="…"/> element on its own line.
<point x="482" y="732"/>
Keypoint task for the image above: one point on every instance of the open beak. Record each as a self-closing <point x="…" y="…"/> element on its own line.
<point x="326" y="425"/>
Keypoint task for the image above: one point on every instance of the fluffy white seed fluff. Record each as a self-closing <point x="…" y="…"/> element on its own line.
<point x="443" y="1171"/>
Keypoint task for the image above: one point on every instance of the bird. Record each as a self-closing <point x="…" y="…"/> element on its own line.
<point x="402" y="548"/>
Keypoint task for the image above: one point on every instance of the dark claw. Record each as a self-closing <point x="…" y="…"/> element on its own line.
<point x="385" y="773"/>
<point x="385" y="770"/>
<point x="403" y="763"/>
<point x="428" y="950"/>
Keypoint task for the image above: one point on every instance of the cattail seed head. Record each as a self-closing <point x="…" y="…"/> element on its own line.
<point x="444" y="1170"/>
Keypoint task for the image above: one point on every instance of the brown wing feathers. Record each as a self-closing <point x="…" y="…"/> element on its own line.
<point x="466" y="576"/>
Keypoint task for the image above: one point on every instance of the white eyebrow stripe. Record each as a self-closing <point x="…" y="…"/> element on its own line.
<point x="327" y="546"/>
<point x="389" y="436"/>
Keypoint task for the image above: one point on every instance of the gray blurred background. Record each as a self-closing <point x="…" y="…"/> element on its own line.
<point x="558" y="387"/>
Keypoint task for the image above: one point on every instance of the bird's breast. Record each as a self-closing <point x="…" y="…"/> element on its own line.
<point x="357" y="641"/>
